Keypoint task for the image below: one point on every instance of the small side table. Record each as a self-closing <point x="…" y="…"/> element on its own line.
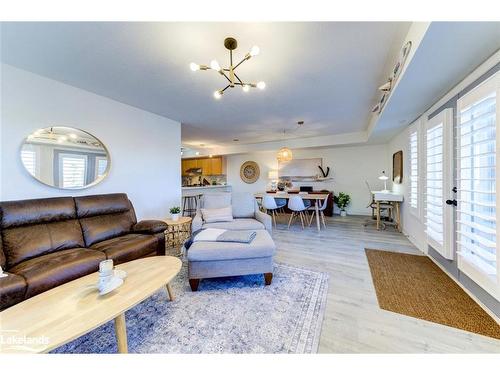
<point x="177" y="233"/>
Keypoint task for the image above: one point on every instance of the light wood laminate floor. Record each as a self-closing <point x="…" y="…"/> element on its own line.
<point x="353" y="321"/>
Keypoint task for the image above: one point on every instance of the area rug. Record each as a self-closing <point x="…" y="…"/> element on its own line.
<point x="226" y="315"/>
<point x="413" y="285"/>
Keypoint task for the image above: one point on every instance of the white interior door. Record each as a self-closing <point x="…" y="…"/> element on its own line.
<point x="439" y="175"/>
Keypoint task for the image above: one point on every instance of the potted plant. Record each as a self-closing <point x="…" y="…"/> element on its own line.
<point x="174" y="212"/>
<point x="342" y="200"/>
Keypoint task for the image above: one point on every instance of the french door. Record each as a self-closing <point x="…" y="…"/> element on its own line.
<point x="439" y="176"/>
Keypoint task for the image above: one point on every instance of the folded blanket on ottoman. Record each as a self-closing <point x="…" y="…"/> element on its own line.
<point x="222" y="235"/>
<point x="243" y="236"/>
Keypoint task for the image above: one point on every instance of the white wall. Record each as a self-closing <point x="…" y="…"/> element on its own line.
<point x="144" y="147"/>
<point x="349" y="167"/>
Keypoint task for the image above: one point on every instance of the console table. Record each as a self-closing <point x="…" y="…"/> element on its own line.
<point x="391" y="197"/>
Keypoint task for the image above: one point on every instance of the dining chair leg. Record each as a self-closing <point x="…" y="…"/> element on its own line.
<point x="274" y="218"/>
<point x="291" y="218"/>
<point x="323" y="218"/>
<point x="311" y="218"/>
<point x="302" y="218"/>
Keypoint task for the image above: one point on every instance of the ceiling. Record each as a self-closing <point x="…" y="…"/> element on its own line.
<point x="325" y="73"/>
<point x="448" y="52"/>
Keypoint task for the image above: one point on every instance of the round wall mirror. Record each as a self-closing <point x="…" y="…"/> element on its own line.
<point x="65" y="158"/>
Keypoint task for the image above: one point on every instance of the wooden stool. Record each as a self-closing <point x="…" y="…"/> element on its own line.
<point x="177" y="233"/>
<point x="190" y="204"/>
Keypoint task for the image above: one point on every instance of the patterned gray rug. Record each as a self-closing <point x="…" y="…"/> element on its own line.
<point x="227" y="315"/>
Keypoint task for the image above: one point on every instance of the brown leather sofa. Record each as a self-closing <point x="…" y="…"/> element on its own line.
<point x="48" y="242"/>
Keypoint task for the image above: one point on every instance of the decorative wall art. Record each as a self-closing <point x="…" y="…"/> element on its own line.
<point x="249" y="172"/>
<point x="391" y="82"/>
<point x="397" y="167"/>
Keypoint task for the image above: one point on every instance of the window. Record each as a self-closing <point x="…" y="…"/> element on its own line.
<point x="101" y="165"/>
<point x="72" y="170"/>
<point x="439" y="138"/>
<point x="414" y="188"/>
<point x="28" y="158"/>
<point x="476" y="180"/>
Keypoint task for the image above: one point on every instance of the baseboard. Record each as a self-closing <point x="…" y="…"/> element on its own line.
<point x="474" y="298"/>
<point x="414" y="241"/>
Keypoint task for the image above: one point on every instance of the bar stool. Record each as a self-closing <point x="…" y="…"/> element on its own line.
<point x="190" y="204"/>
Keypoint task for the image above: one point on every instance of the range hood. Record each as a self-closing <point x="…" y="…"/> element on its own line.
<point x="194" y="171"/>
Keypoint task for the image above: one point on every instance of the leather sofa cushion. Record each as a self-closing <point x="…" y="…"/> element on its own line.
<point x="236" y="224"/>
<point x="26" y="242"/>
<point x="92" y="205"/>
<point x="3" y="259"/>
<point x="36" y="211"/>
<point x="48" y="271"/>
<point x="126" y="248"/>
<point x="103" y="227"/>
<point x="150" y="226"/>
<point x="12" y="290"/>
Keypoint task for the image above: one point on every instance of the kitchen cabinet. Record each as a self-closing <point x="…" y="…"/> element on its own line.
<point x="210" y="166"/>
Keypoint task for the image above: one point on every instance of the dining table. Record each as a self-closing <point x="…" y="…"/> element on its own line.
<point x="317" y="198"/>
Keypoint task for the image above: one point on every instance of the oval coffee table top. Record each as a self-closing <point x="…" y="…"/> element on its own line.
<point x="68" y="311"/>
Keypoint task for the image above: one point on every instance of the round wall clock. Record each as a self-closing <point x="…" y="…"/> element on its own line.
<point x="249" y="172"/>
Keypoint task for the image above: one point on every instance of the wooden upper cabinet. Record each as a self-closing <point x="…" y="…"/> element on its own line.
<point x="210" y="166"/>
<point x="206" y="166"/>
<point x="217" y="165"/>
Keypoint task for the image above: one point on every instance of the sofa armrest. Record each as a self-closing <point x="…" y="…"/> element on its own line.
<point x="150" y="227"/>
<point x="265" y="219"/>
<point x="197" y="222"/>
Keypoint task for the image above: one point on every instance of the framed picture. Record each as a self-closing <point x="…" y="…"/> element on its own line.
<point x="397" y="167"/>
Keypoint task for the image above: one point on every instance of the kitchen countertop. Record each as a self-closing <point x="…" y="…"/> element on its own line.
<point x="205" y="187"/>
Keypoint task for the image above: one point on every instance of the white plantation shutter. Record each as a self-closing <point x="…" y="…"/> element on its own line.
<point x="414" y="170"/>
<point x="438" y="217"/>
<point x="477" y="157"/>
<point x="101" y="165"/>
<point x="28" y="158"/>
<point x="72" y="170"/>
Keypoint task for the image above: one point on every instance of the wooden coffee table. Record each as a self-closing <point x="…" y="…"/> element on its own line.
<point x="60" y="315"/>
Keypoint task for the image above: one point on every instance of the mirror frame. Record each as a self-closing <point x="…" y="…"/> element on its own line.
<point x="93" y="183"/>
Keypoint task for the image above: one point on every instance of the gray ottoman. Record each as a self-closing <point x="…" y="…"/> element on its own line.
<point x="219" y="259"/>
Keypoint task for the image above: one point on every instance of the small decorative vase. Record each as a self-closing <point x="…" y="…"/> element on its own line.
<point x="343" y="213"/>
<point x="175" y="217"/>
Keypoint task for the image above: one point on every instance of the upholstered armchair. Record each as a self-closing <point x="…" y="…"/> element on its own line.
<point x="246" y="213"/>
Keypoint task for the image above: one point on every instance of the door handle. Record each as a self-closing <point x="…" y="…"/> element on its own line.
<point x="451" y="202"/>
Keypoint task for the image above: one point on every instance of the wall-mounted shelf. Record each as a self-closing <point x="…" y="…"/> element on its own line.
<point x="309" y="179"/>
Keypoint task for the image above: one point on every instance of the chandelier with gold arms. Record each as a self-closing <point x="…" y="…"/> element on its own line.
<point x="229" y="73"/>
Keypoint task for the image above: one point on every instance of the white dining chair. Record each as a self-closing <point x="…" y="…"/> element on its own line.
<point x="320" y="211"/>
<point x="270" y="206"/>
<point x="298" y="208"/>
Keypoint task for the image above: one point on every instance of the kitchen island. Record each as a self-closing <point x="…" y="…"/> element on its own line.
<point x="194" y="190"/>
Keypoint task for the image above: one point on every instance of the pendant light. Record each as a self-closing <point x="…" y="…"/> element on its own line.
<point x="284" y="153"/>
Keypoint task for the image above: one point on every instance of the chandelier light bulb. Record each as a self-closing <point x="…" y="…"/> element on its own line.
<point x="215" y="65"/>
<point x="254" y="51"/>
<point x="194" y="67"/>
<point x="261" y="85"/>
<point x="246" y="88"/>
<point x="217" y="94"/>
